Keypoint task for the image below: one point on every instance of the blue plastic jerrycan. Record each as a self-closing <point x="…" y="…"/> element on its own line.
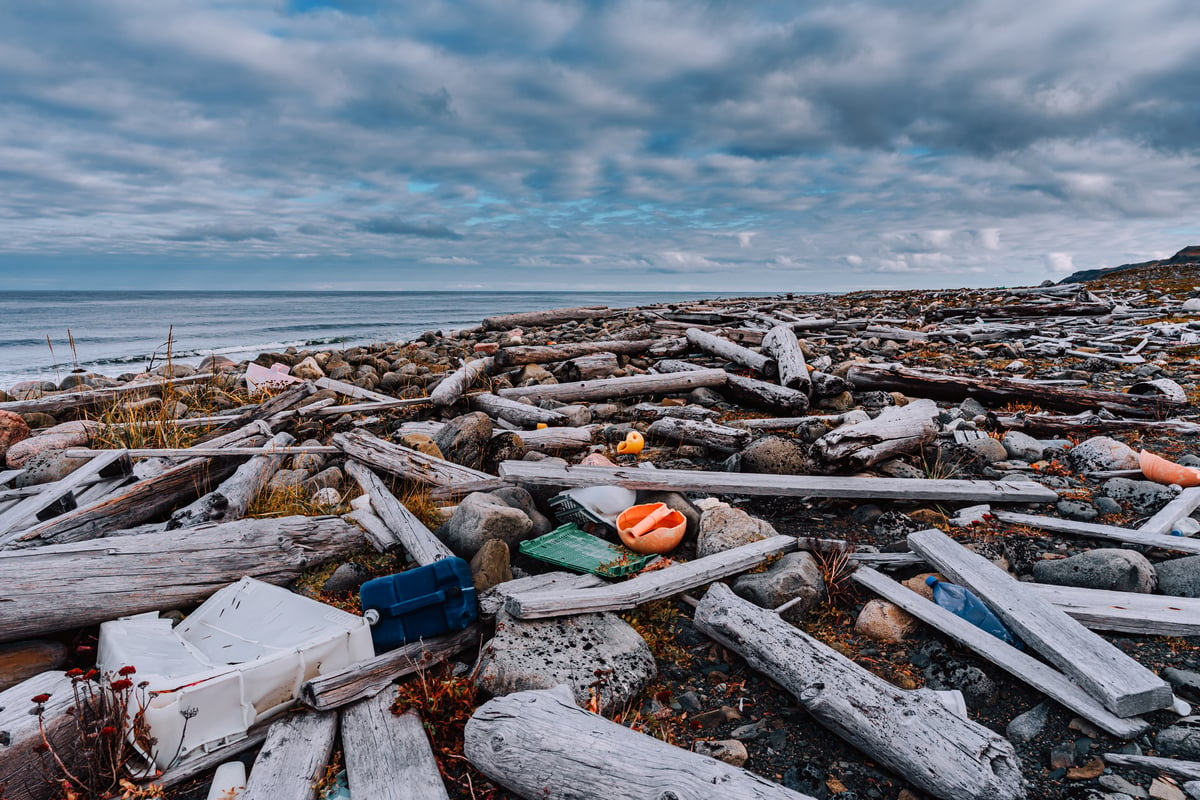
<point x="962" y="601"/>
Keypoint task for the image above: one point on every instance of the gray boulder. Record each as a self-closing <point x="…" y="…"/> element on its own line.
<point x="519" y="497"/>
<point x="1143" y="497"/>
<point x="1101" y="453"/>
<point x="1179" y="577"/>
<point x="347" y="578"/>
<point x="1181" y="740"/>
<point x="724" y="528"/>
<point x="774" y="455"/>
<point x="46" y="467"/>
<point x="464" y="440"/>
<point x="1078" y="510"/>
<point x="1028" y="726"/>
<point x="1022" y="446"/>
<point x="594" y="654"/>
<point x="480" y="517"/>
<point x="796" y="575"/>
<point x="490" y="566"/>
<point x="986" y="449"/>
<point x="1104" y="568"/>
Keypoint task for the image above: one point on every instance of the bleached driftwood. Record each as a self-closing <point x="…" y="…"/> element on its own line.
<point x="1188" y="770"/>
<point x="545" y="354"/>
<point x="388" y="756"/>
<point x="1044" y="678"/>
<point x="589" y="367"/>
<point x="453" y="386"/>
<point x="781" y="344"/>
<point x="232" y="498"/>
<point x="1183" y="505"/>
<point x="705" y="433"/>
<point x="21" y="772"/>
<point x="404" y="462"/>
<point x="63" y="586"/>
<point x="520" y="414"/>
<point x="897" y="430"/>
<point x="558" y="440"/>
<point x="610" y="388"/>
<point x="49" y="495"/>
<point x="1127" y="612"/>
<point x="1094" y="530"/>
<point x="648" y="586"/>
<point x="68" y="401"/>
<point x="551" y="316"/>
<point x="491" y="601"/>
<point x="909" y="731"/>
<point x="539" y="744"/>
<point x="735" y="353"/>
<point x="532" y="473"/>
<point x="418" y="541"/>
<point x="368" y="678"/>
<point x="750" y="391"/>
<point x="1124" y="686"/>
<point x="1089" y="424"/>
<point x="292" y="758"/>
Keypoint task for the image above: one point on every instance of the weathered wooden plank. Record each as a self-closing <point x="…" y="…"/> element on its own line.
<point x="388" y="756"/>
<point x="1188" y="770"/>
<point x="26" y="512"/>
<point x="541" y="474"/>
<point x="70" y="585"/>
<point x="292" y="758"/>
<point x="1124" y="686"/>
<point x="404" y="462"/>
<point x="630" y="386"/>
<point x="369" y="678"/>
<point x="270" y="449"/>
<point x="735" y="353"/>
<point x="355" y="408"/>
<point x="705" y="433"/>
<point x="540" y="744"/>
<point x="526" y="416"/>
<point x="21" y="772"/>
<point x="648" y="586"/>
<point x="909" y="731"/>
<point x="418" y="541"/>
<point x="1161" y="523"/>
<point x="1045" y="679"/>
<point x="451" y="389"/>
<point x="1089" y="423"/>
<point x="1095" y="530"/>
<point x="66" y="401"/>
<point x="1126" y="612"/>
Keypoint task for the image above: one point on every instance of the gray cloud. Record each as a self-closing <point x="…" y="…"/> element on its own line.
<point x="717" y="145"/>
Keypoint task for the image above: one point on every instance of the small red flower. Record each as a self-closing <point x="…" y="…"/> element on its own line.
<point x="108" y="730"/>
<point x="121" y="685"/>
<point x="125" y="672"/>
<point x="91" y="674"/>
<point x="75" y="673"/>
<point x="41" y="698"/>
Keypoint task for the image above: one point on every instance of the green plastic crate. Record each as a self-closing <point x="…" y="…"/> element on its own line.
<point x="568" y="546"/>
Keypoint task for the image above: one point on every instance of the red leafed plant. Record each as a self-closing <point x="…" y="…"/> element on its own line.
<point x="93" y="761"/>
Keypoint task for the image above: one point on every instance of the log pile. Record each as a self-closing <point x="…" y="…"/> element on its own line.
<point x="842" y="432"/>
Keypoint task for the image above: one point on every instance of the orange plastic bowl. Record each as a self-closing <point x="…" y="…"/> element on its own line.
<point x="1160" y="470"/>
<point x="651" y="528"/>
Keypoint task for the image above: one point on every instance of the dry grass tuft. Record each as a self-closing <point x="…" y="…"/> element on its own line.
<point x="417" y="499"/>
<point x="293" y="501"/>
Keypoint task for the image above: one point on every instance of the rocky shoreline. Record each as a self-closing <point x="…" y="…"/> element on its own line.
<point x="1011" y="420"/>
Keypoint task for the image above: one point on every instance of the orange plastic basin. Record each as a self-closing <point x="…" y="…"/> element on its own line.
<point x="1160" y="470"/>
<point x="651" y="528"/>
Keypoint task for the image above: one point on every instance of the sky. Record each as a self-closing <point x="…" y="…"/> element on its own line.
<point x="524" y="144"/>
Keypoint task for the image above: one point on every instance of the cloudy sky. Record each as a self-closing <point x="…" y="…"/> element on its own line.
<point x="732" y="146"/>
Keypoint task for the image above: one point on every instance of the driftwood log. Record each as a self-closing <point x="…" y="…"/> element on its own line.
<point x="1123" y="685"/>
<point x="1095" y="530"/>
<point x="47" y="498"/>
<point x="630" y="386"/>
<point x="909" y="731"/>
<point x="781" y="344"/>
<point x="69" y="401"/>
<point x="410" y="533"/>
<point x="369" y="678"/>
<point x="455" y="385"/>
<point x="551" y="316"/>
<point x="1088" y="424"/>
<point x="751" y="391"/>
<point x="21" y="771"/>
<point x="705" y="433"/>
<point x="940" y="386"/>
<point x="734" y="353"/>
<point x="232" y="498"/>
<point x="546" y="354"/>
<point x="292" y="759"/>
<point x="897" y="430"/>
<point x="404" y="462"/>
<point x="520" y="414"/>
<point x="590" y="367"/>
<point x="540" y="745"/>
<point x="388" y="756"/>
<point x="64" y="586"/>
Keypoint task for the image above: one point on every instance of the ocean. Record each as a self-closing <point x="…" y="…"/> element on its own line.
<point x="120" y="331"/>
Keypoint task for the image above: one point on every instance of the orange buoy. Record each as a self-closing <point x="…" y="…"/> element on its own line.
<point x="1160" y="470"/>
<point x="651" y="528"/>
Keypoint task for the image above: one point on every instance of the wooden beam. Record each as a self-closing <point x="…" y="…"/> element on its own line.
<point x="1161" y="523"/>
<point x="1045" y="679"/>
<point x="1126" y="612"/>
<point x="533" y="473"/>
<point x="1094" y="530"/>
<point x="404" y="462"/>
<point x="293" y="758"/>
<point x="418" y="541"/>
<point x="56" y="587"/>
<point x="648" y="586"/>
<point x="538" y="743"/>
<point x="388" y="756"/>
<point x="1188" y="770"/>
<point x="67" y="401"/>
<point x="369" y="678"/>
<point x="1124" y="686"/>
<point x="609" y="388"/>
<point x="207" y="452"/>
<point x="911" y="732"/>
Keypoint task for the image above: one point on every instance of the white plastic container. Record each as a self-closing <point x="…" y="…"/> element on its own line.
<point x="238" y="659"/>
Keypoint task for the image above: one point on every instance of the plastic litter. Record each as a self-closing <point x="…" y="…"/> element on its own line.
<point x="651" y="528"/>
<point x="592" y="506"/>
<point x="238" y="659"/>
<point x="1160" y="470"/>
<point x="569" y="547"/>
<point x="633" y="444"/>
<point x="338" y="790"/>
<point x="963" y="602"/>
<point x="1185" y="527"/>
<point x="228" y="780"/>
<point x="419" y="603"/>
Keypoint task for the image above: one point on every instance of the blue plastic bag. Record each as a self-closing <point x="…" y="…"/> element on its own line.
<point x="962" y="601"/>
